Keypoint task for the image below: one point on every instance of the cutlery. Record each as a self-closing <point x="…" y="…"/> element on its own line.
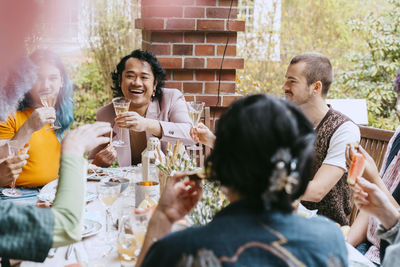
<point x="52" y="252"/>
<point x="69" y="251"/>
<point x="77" y="254"/>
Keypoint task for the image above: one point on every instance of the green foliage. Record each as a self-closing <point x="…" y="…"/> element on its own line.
<point x="90" y="92"/>
<point x="361" y="38"/>
<point x="305" y="25"/>
<point x="212" y="201"/>
<point x="111" y="34"/>
<point x="372" y="74"/>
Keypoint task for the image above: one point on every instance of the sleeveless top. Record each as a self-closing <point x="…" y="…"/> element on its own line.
<point x="336" y="205"/>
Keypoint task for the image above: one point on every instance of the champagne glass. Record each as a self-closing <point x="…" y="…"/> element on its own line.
<point x="15" y="150"/>
<point x="121" y="105"/>
<point x="108" y="193"/>
<point x="49" y="100"/>
<point x="195" y="109"/>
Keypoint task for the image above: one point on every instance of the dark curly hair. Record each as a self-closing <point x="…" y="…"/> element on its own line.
<point x="249" y="135"/>
<point x="157" y="69"/>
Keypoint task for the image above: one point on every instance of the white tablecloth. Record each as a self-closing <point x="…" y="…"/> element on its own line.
<point x="90" y="251"/>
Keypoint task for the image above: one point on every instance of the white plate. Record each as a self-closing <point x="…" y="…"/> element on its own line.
<point x="90" y="228"/>
<point x="48" y="192"/>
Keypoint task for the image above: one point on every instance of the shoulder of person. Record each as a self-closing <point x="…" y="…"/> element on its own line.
<point x="170" y="93"/>
<point x="320" y="226"/>
<point x="105" y="113"/>
<point x="349" y="127"/>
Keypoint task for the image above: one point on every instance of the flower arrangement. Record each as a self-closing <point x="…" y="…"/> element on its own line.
<point x="177" y="160"/>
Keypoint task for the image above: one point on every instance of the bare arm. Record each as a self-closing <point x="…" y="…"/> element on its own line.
<point x="324" y="180"/>
<point x="177" y="200"/>
<point x="358" y="230"/>
<point x="38" y="119"/>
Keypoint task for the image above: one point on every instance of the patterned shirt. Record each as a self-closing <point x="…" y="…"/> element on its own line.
<point x="391" y="178"/>
<point x="244" y="235"/>
<point x="26" y="232"/>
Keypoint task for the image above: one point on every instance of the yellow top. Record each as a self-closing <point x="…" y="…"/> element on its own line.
<point x="44" y="152"/>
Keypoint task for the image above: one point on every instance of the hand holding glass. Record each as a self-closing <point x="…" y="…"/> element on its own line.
<point x="49" y="100"/>
<point x="195" y="109"/>
<point x="121" y="105"/>
<point x="15" y="150"/>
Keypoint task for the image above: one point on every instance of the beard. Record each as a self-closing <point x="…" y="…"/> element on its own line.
<point x="14" y="84"/>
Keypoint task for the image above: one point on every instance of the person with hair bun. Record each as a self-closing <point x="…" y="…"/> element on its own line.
<point x="262" y="158"/>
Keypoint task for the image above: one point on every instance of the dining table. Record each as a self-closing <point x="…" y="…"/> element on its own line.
<point x="91" y="250"/>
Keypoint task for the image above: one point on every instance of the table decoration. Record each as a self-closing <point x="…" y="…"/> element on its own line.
<point x="175" y="160"/>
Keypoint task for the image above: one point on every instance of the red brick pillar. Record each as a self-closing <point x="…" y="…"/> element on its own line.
<point x="189" y="38"/>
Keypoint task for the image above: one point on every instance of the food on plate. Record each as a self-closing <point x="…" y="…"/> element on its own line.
<point x="356" y="168"/>
<point x="112" y="180"/>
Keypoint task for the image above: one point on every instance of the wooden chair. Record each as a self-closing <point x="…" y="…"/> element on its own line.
<point x="207" y="122"/>
<point x="375" y="142"/>
<point x="204" y="151"/>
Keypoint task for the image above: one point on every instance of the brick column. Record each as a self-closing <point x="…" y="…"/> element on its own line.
<point x="189" y="37"/>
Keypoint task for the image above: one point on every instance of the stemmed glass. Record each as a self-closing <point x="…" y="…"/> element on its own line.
<point x="195" y="109"/>
<point x="49" y="100"/>
<point x="121" y="105"/>
<point x="15" y="150"/>
<point x="108" y="193"/>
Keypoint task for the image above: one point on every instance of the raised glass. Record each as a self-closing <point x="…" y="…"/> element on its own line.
<point x="49" y="100"/>
<point x="121" y="105"/>
<point x="195" y="109"/>
<point x="15" y="149"/>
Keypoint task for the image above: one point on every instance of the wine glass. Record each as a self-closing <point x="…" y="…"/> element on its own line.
<point x="195" y="109"/>
<point x="121" y="105"/>
<point x="49" y="100"/>
<point x="15" y="150"/>
<point x="108" y="193"/>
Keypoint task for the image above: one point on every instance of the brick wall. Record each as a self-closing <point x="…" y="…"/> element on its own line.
<point x="189" y="38"/>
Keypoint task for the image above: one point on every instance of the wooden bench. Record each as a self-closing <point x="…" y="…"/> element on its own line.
<point x="375" y="142"/>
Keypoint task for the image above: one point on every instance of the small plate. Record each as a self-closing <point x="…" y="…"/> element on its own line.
<point x="48" y="193"/>
<point x="90" y="228"/>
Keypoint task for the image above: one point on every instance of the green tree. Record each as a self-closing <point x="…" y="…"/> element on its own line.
<point x="372" y="73"/>
<point x="110" y="36"/>
<point x="111" y="33"/>
<point x="305" y="25"/>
